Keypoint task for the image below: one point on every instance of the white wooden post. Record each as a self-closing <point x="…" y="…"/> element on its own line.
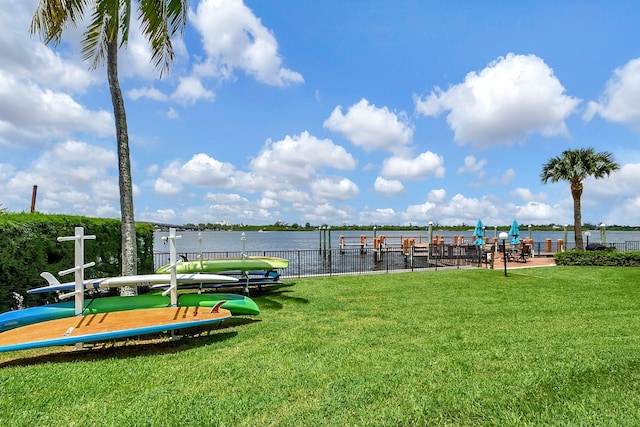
<point x="79" y="267"/>
<point x="173" y="284"/>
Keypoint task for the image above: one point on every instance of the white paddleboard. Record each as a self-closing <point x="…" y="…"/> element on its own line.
<point x="137" y="280"/>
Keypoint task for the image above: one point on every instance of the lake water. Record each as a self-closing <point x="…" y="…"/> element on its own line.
<point x="215" y="241"/>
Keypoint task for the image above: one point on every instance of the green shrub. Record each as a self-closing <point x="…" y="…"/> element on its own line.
<point x="609" y="257"/>
<point x="29" y="246"/>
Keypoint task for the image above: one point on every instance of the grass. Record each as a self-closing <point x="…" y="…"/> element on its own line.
<point x="544" y="346"/>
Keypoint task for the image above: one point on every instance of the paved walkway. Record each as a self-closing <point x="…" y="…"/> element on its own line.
<point x="539" y="261"/>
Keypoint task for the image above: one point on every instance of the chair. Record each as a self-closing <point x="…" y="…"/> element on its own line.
<point x="488" y="249"/>
<point x="524" y="253"/>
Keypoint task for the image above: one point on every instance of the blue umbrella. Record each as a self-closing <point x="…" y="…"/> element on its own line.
<point x="479" y="233"/>
<point x="514" y="232"/>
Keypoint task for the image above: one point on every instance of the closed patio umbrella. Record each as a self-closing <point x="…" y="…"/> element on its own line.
<point x="514" y="232"/>
<point x="479" y="233"/>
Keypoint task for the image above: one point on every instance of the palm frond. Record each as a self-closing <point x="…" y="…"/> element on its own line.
<point x="94" y="47"/>
<point x="576" y="165"/>
<point x="161" y="20"/>
<point x="53" y="16"/>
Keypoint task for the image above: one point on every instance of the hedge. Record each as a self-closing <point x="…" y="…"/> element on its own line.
<point x="609" y="257"/>
<point x="29" y="246"/>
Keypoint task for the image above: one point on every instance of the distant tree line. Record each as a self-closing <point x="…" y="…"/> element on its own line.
<point x="283" y="226"/>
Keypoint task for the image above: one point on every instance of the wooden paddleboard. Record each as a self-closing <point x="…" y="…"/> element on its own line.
<point x="106" y="326"/>
<point x="236" y="304"/>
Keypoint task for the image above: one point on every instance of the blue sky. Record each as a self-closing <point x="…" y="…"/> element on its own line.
<point x="336" y="112"/>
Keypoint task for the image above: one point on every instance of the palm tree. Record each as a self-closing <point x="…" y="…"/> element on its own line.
<point x="574" y="166"/>
<point x="107" y="32"/>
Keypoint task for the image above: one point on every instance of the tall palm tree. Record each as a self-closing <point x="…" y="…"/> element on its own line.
<point x="574" y="166"/>
<point x="107" y="32"/>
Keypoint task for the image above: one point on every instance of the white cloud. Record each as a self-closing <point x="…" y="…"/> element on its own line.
<point x="437" y="195"/>
<point x="463" y="207"/>
<point x="421" y="212"/>
<point x="378" y="216"/>
<point x="201" y="170"/>
<point x="472" y="165"/>
<point x="72" y="177"/>
<point x="166" y="188"/>
<point x="335" y="188"/>
<point x="233" y="37"/>
<point x="322" y="213"/>
<point x="460" y="209"/>
<point x="268" y="203"/>
<point x="28" y="59"/>
<point x="619" y="103"/>
<point x="388" y="187"/>
<point x="230" y="202"/>
<point x="106" y="190"/>
<point x="190" y="90"/>
<point x="298" y="158"/>
<point x="233" y="208"/>
<point x="425" y="165"/>
<point x="6" y="170"/>
<point x="624" y="182"/>
<point x="147" y="92"/>
<point x="539" y="213"/>
<point x="526" y="195"/>
<point x="370" y="127"/>
<point x="135" y="60"/>
<point x="106" y="211"/>
<point x="508" y="176"/>
<point x="73" y="197"/>
<point x="172" y="114"/>
<point x="289" y="195"/>
<point x="30" y="114"/>
<point x="160" y="215"/>
<point x="78" y="152"/>
<point x="626" y="212"/>
<point x="510" y="99"/>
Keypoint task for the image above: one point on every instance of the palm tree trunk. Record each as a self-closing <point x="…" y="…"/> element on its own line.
<point x="129" y="244"/>
<point x="576" y="193"/>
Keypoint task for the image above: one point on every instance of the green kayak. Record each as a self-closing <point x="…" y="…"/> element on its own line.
<point x="217" y="265"/>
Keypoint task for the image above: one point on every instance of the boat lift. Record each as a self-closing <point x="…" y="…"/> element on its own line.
<point x="353" y="241"/>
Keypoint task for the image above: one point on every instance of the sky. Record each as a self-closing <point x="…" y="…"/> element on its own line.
<point x="333" y="112"/>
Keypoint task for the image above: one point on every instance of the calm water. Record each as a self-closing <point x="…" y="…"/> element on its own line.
<point x="214" y="241"/>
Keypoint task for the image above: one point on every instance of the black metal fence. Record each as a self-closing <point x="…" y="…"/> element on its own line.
<point x="628" y="246"/>
<point x="328" y="262"/>
<point x="551" y="247"/>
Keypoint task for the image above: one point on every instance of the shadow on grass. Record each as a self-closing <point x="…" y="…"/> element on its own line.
<point x="125" y="348"/>
<point x="276" y="299"/>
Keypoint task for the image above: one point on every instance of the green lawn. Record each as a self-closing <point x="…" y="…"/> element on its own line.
<point x="544" y="346"/>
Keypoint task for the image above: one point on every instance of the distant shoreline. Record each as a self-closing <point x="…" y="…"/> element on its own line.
<point x="436" y="227"/>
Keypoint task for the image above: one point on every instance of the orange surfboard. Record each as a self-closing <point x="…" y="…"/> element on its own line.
<point x="106" y="326"/>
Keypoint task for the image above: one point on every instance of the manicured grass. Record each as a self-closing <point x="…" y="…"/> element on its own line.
<point x="544" y="346"/>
